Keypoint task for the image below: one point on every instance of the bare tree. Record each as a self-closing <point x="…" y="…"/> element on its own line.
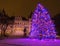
<point x="3" y="21"/>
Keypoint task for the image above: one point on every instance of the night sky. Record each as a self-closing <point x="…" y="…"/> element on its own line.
<point x="24" y="7"/>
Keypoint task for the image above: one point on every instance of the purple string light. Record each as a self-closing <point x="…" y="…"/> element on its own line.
<point x="42" y="26"/>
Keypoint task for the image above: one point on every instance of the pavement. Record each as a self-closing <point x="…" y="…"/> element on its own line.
<point x="28" y="42"/>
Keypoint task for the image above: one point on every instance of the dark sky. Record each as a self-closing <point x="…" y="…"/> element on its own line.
<point x="24" y="7"/>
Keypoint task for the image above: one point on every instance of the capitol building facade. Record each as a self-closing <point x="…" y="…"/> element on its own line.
<point x="17" y="29"/>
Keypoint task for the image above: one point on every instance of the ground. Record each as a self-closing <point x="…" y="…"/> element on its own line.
<point x="28" y="42"/>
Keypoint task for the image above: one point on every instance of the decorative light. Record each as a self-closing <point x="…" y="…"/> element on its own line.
<point x="42" y="26"/>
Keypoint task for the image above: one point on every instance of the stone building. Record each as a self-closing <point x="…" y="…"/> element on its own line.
<point x="17" y="29"/>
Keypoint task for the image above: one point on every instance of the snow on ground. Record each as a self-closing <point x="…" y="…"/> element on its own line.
<point x="30" y="42"/>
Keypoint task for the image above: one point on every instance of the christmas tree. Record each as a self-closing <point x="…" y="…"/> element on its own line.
<point x="42" y="27"/>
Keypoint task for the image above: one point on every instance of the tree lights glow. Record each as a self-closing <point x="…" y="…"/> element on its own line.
<point x="42" y="26"/>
